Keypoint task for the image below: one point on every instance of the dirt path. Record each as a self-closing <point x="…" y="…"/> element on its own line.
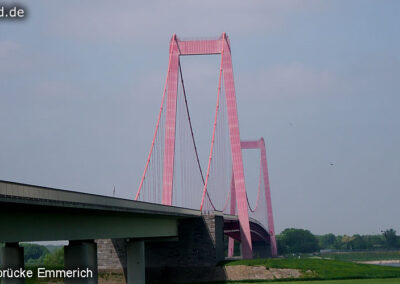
<point x="242" y="272"/>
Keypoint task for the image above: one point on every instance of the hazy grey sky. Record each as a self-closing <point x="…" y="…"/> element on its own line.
<point x="81" y="83"/>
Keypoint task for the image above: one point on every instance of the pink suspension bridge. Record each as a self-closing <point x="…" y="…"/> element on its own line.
<point x="173" y="175"/>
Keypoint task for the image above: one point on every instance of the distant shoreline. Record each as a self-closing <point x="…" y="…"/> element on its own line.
<point x="380" y="261"/>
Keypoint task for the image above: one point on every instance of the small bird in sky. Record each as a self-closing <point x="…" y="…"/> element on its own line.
<point x="331" y="164"/>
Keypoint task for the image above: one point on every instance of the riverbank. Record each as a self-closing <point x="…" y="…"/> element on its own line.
<point x="270" y="270"/>
<point x="359" y="256"/>
<point x="381" y="262"/>
<point x="324" y="269"/>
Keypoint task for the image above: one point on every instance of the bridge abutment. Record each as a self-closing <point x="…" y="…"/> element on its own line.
<point x="200" y="243"/>
<point x="192" y="256"/>
<point x="215" y="226"/>
<point x="111" y="255"/>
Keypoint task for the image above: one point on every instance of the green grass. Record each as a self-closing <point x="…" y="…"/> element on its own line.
<point x="363" y="256"/>
<point x="352" y="281"/>
<point x="325" y="269"/>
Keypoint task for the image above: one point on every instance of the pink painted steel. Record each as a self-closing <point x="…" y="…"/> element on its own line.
<point x="198" y="47"/>
<point x="170" y="123"/>
<point x="238" y="171"/>
<point x="234" y="133"/>
<point x="250" y="144"/>
<point x="274" y="248"/>
<point x="231" y="247"/>
<point x="260" y="144"/>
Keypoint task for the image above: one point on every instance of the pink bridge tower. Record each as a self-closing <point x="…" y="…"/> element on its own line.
<point x="166" y="170"/>
<point x="203" y="47"/>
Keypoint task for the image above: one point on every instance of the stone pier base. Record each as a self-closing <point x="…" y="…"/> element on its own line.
<point x="198" y="248"/>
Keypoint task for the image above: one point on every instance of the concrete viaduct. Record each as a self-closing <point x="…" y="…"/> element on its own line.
<point x="113" y="233"/>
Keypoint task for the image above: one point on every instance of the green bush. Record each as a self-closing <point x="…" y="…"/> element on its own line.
<point x="297" y="241"/>
<point x="34" y="252"/>
<point x="56" y="258"/>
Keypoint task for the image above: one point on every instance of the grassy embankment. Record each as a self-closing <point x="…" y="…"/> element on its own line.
<point x="324" y="269"/>
<point x="352" y="281"/>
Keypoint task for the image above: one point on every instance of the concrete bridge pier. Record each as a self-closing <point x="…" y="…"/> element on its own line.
<point x="12" y="256"/>
<point x="135" y="262"/>
<point x="261" y="249"/>
<point x="81" y="255"/>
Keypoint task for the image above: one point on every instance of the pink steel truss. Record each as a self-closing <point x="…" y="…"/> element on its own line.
<point x="164" y="157"/>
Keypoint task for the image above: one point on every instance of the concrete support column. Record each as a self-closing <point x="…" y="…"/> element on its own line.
<point x="135" y="262"/>
<point x="219" y="239"/>
<point x="261" y="249"/>
<point x="82" y="255"/>
<point x="215" y="226"/>
<point x="12" y="256"/>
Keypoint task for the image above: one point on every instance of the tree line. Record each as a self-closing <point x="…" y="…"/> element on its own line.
<point x="38" y="255"/>
<point x="289" y="241"/>
<point x="293" y="240"/>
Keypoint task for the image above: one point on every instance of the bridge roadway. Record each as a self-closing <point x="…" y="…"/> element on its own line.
<point x="36" y="213"/>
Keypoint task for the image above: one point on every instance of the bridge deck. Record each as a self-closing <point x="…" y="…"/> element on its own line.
<point x="12" y="192"/>
<point x="35" y="213"/>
